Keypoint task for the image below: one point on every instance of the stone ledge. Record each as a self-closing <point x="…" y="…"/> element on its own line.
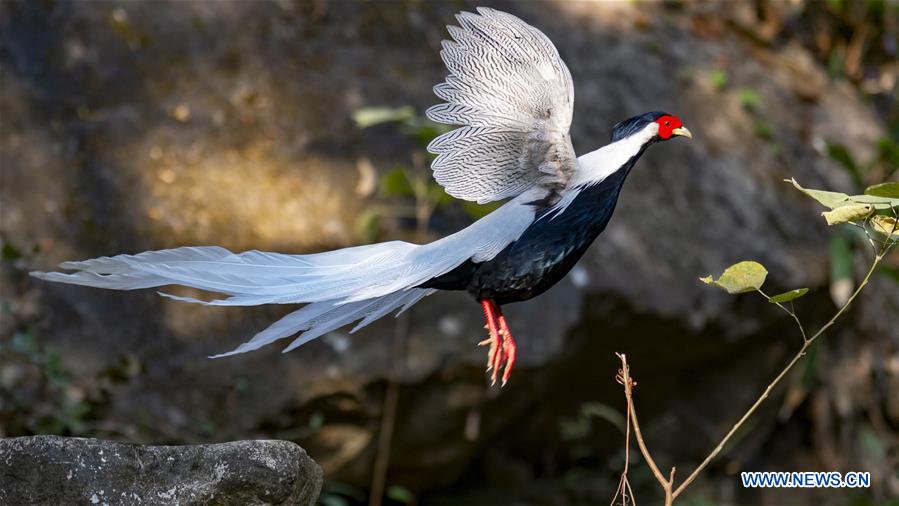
<point x="59" y="470"/>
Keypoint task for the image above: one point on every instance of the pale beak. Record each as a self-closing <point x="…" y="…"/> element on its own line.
<point x="683" y="132"/>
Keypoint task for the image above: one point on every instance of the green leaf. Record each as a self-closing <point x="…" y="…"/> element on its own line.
<point x="880" y="203"/>
<point x="718" y="78"/>
<point x="834" y="200"/>
<point x="788" y="296"/>
<point x="764" y="129"/>
<point x="841" y="283"/>
<point x="749" y="98"/>
<point x="845" y="214"/>
<point x="371" y="116"/>
<point x="746" y="276"/>
<point x="827" y="199"/>
<point x="395" y="183"/>
<point x="888" y="190"/>
<point x="400" y="494"/>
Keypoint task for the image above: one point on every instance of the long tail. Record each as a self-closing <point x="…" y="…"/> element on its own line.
<point x="341" y="287"/>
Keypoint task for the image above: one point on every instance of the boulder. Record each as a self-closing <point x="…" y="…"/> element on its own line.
<point x="58" y="470"/>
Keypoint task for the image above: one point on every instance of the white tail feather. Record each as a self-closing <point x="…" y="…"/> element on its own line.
<point x="340" y="287"/>
<point x="320" y="318"/>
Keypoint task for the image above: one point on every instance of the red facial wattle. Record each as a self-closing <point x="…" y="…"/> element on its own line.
<point x="667" y="124"/>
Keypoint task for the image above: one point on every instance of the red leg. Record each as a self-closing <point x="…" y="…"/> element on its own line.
<point x="494" y="355"/>
<point x="502" y="345"/>
<point x="508" y="347"/>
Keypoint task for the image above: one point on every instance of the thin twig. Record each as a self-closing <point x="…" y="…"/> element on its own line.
<point x="805" y="345"/>
<point x="624" y="486"/>
<point x="791" y="312"/>
<point x="867" y="233"/>
<point x="625" y="379"/>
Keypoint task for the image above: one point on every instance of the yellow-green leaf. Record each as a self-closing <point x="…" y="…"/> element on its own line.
<point x="845" y="214"/>
<point x="741" y="277"/>
<point x="828" y="199"/>
<point x="371" y="116"/>
<point x="889" y="190"/>
<point x="788" y="296"/>
<point x="886" y="225"/>
<point x="879" y="203"/>
<point x="395" y="183"/>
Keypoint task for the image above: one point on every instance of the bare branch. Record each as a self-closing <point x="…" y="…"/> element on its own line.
<point x="808" y="342"/>
<point x="625" y="379"/>
<point x="624" y="487"/>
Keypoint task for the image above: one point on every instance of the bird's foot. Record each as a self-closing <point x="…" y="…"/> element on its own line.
<point x="490" y="311"/>
<point x="501" y="354"/>
<point x="509" y="349"/>
<point x="495" y="349"/>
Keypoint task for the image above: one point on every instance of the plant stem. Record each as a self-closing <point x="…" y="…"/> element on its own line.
<point x="624" y="486"/>
<point x="805" y="345"/>
<point x="788" y="311"/>
<point x="625" y="379"/>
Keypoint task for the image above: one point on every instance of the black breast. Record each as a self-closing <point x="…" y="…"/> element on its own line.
<point x="544" y="253"/>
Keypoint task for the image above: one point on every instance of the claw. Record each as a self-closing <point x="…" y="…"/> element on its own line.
<point x="509" y="348"/>
<point x="494" y="340"/>
<point x="501" y="354"/>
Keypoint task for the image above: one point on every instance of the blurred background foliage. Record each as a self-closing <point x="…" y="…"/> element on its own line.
<point x="298" y="126"/>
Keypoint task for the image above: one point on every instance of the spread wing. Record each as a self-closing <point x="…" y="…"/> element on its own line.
<point x="513" y="95"/>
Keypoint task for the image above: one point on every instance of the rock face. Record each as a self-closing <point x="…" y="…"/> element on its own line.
<point x="129" y="127"/>
<point x="55" y="470"/>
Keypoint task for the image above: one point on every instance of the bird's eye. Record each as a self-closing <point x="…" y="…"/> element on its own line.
<point x="667" y="123"/>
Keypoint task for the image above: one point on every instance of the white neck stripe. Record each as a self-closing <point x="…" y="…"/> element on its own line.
<point x="597" y="165"/>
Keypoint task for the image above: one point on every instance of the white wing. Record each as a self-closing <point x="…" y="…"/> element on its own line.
<point x="512" y="92"/>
